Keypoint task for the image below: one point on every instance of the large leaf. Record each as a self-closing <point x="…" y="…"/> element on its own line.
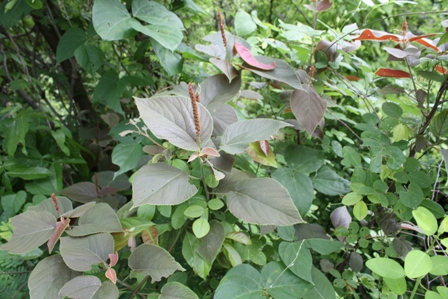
<point x="155" y="13"/>
<point x="70" y="41"/>
<point x="417" y="263"/>
<point x="171" y="61"/>
<point x="283" y="72"/>
<point x="161" y="184"/>
<point x="223" y="115"/>
<point x="324" y="246"/>
<point x="242" y="282"/>
<point x="64" y="204"/>
<point x="54" y="272"/>
<point x="212" y="242"/>
<point x="299" y="186"/>
<point x="303" y="159"/>
<point x="169" y="37"/>
<point x="329" y="182"/>
<point x="100" y="218"/>
<point x="190" y="248"/>
<point x="29" y="173"/>
<point x="172" y="118"/>
<point x="89" y="57"/>
<point x="176" y="290"/>
<point x="31" y="229"/>
<point x="89" y="287"/>
<point x="82" y="253"/>
<point x="246" y="55"/>
<point x="126" y="155"/>
<point x="323" y="289"/>
<point x="81" y="192"/>
<point x="244" y="25"/>
<point x="111" y="20"/>
<point x="109" y="90"/>
<point x="12" y="203"/>
<point x="385" y="267"/>
<point x="281" y="283"/>
<point x="262" y="201"/>
<point x="153" y="261"/>
<point x="217" y="88"/>
<point x="297" y="258"/>
<point x="238" y="136"/>
<point x="308" y="107"/>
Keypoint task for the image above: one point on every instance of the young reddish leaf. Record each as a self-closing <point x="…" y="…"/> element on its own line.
<point x="376" y="35"/>
<point x="110" y="273"/>
<point x="323" y="5"/>
<point x="385" y="72"/>
<point x="247" y="57"/>
<point x="113" y="257"/>
<point x="441" y="70"/>
<point x="264" y="145"/>
<point x="209" y="151"/>
<point x="424" y="41"/>
<point x="352" y="78"/>
<point x="150" y="236"/>
<point x="60" y="228"/>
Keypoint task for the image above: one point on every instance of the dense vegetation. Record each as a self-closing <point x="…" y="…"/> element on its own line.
<point x="259" y="149"/>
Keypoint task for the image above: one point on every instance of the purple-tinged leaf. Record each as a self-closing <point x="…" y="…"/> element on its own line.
<point x="81" y="192"/>
<point x="176" y="290"/>
<point x="226" y="67"/>
<point x="308" y="107"/>
<point x="341" y="217"/>
<point x="247" y="56"/>
<point x="212" y="242"/>
<point x="65" y="206"/>
<point x="61" y="225"/>
<point x="87" y="287"/>
<point x="223" y="115"/>
<point x="217" y="88"/>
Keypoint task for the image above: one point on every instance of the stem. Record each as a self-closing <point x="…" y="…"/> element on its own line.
<point x="207" y="195"/>
<point x="417" y="283"/>
<point x="138" y="287"/>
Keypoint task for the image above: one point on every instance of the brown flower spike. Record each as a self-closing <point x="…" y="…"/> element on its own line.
<point x="221" y="27"/>
<point x="194" y="104"/>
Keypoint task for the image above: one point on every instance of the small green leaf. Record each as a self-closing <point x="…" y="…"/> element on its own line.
<point x="360" y="210"/>
<point x="413" y="197"/>
<point x="244" y="25"/>
<point x="439" y="124"/>
<point x="328" y="182"/>
<point x="351" y="157"/>
<point x="439" y="265"/>
<point x="126" y="155"/>
<point x="176" y="290"/>
<point x="12" y="203"/>
<point x="201" y="227"/>
<point x="392" y="110"/>
<point x="417" y="263"/>
<point x="215" y="204"/>
<point x="89" y="57"/>
<point x="425" y="221"/>
<point x="385" y="267"/>
<point x="351" y="199"/>
<point x="397" y="286"/>
<point x="72" y="39"/>
<point x="194" y="211"/>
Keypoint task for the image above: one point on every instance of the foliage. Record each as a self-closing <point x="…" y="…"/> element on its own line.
<point x="297" y="165"/>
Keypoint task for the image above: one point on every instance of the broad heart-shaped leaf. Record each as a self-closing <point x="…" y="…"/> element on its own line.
<point x="153" y="261"/>
<point x="54" y="272"/>
<point x="417" y="263"/>
<point x="69" y="42"/>
<point x="328" y="182"/>
<point x="172" y="118"/>
<point x="89" y="287"/>
<point x="297" y="258"/>
<point x="283" y="72"/>
<point x="126" y="155"/>
<point x="303" y="159"/>
<point x="246" y="55"/>
<point x="212" y="242"/>
<point x="242" y="281"/>
<point x="439" y="124"/>
<point x="223" y="115"/>
<point x="82" y="253"/>
<point x="385" y="267"/>
<point x="81" y="192"/>
<point x="190" y="248"/>
<point x="176" y="290"/>
<point x="100" y="218"/>
<point x="217" y="89"/>
<point x="65" y="205"/>
<point x="299" y="186"/>
<point x="262" y="201"/>
<point x="323" y="288"/>
<point x="89" y="57"/>
<point x="161" y="184"/>
<point x="239" y="135"/>
<point x="155" y="13"/>
<point x="31" y="229"/>
<point x="281" y="283"/>
<point x="169" y="37"/>
<point x="111" y="20"/>
<point x="308" y="107"/>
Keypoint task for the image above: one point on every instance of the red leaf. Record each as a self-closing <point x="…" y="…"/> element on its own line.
<point x="376" y="35"/>
<point x="113" y="257"/>
<point x="352" y="78"/>
<point x="385" y="72"/>
<point x="110" y="273"/>
<point x="248" y="58"/>
<point x="60" y="228"/>
<point x="209" y="151"/>
<point x="441" y="70"/>
<point x="424" y="41"/>
<point x="264" y="145"/>
<point x="323" y="5"/>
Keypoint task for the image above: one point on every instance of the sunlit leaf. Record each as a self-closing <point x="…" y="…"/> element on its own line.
<point x="111" y="20"/>
<point x="417" y="263"/>
<point x="246" y="55"/>
<point x="386" y="267"/>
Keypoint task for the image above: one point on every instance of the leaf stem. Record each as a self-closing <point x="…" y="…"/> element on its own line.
<point x="417" y="283"/>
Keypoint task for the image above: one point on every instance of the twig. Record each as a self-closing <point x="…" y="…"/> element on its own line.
<point x="437" y="179"/>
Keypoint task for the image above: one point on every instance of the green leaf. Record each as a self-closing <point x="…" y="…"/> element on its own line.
<point x="328" y="182"/>
<point x="215" y="204"/>
<point x="401" y="132"/>
<point x="299" y="186"/>
<point x="72" y="39"/>
<point x="351" y="157"/>
<point x="15" y="134"/>
<point x="30" y="173"/>
<point x="31" y="229"/>
<point x="360" y="210"/>
<point x="81" y="253"/>
<point x="443" y="39"/>
<point x="172" y="118"/>
<point x="351" y="199"/>
<point x="232" y="255"/>
<point x="417" y="263"/>
<point x="239" y="135"/>
<point x="413" y="197"/>
<point x="176" y="290"/>
<point x="297" y="258"/>
<point x="252" y="201"/>
<point x="303" y="159"/>
<point x="126" y="155"/>
<point x="323" y="246"/>
<point x="244" y="25"/>
<point x="56" y="274"/>
<point x="397" y="286"/>
<point x="308" y="107"/>
<point x="433" y="295"/>
<point x="9" y="18"/>
<point x="100" y="218"/>
<point x="59" y="137"/>
<point x="190" y="248"/>
<point x="111" y="20"/>
<point x="153" y="261"/>
<point x="212" y="242"/>
<point x="439" y="124"/>
<point x="109" y="91"/>
<point x="201" y="227"/>
<point x="167" y="36"/>
<point x="171" y="61"/>
<point x="425" y="221"/>
<point x="156" y="14"/>
<point x="12" y="203"/>
<point x="158" y="184"/>
<point x="432" y="76"/>
<point x="439" y="265"/>
<point x="89" y="57"/>
<point x="392" y="110"/>
<point x="385" y="267"/>
<point x="242" y="281"/>
<point x="322" y="289"/>
<point x="194" y="211"/>
<point x="88" y="286"/>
